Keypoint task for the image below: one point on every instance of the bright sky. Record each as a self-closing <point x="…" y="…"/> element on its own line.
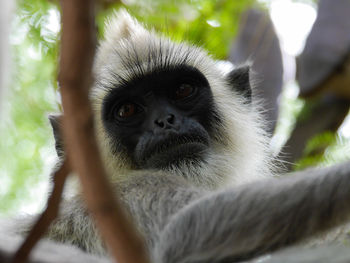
<point x="293" y="22"/>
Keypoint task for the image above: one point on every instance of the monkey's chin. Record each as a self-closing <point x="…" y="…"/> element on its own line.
<point x="176" y="155"/>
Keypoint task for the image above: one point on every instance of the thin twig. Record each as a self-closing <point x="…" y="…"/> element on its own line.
<point x="46" y="217"/>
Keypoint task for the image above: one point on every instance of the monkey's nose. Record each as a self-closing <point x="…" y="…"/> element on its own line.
<point x="165" y="122"/>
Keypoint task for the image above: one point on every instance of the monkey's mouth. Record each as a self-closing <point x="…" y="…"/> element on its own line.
<point x="176" y="150"/>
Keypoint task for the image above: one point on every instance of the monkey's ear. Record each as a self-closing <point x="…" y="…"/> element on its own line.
<point x="122" y="26"/>
<point x="239" y="80"/>
<point x="56" y="124"/>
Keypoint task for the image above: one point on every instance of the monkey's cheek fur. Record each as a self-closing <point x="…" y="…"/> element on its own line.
<point x="176" y="155"/>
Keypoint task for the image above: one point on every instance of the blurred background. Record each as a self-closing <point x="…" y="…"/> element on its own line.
<point x="299" y="52"/>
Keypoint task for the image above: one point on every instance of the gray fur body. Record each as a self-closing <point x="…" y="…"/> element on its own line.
<point x="184" y="223"/>
<point x="226" y="208"/>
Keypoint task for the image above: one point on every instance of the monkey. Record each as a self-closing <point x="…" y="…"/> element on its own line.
<point x="185" y="149"/>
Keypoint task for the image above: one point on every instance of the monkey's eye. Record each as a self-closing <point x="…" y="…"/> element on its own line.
<point x="126" y="110"/>
<point x="184" y="91"/>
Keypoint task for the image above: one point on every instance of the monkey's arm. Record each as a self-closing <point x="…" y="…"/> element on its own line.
<point x="257" y="218"/>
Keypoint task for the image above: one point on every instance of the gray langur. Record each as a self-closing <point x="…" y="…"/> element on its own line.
<point x="185" y="148"/>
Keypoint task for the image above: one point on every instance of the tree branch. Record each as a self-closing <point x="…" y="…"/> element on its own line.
<point x="46" y="217"/>
<point x="75" y="77"/>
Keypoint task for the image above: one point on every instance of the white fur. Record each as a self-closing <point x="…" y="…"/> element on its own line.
<point x="125" y="52"/>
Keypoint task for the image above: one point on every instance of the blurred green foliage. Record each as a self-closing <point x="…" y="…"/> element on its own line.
<point x="30" y="97"/>
<point x="325" y="149"/>
<point x="208" y="23"/>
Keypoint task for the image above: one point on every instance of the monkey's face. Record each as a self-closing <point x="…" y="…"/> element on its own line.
<point x="164" y="105"/>
<point x="163" y="118"/>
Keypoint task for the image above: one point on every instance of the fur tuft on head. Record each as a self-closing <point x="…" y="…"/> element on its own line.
<point x="240" y="148"/>
<point x="120" y="26"/>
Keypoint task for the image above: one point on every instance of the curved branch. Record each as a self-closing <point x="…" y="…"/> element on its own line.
<point x="75" y="78"/>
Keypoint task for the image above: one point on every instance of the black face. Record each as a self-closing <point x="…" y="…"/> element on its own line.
<point x="161" y="118"/>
